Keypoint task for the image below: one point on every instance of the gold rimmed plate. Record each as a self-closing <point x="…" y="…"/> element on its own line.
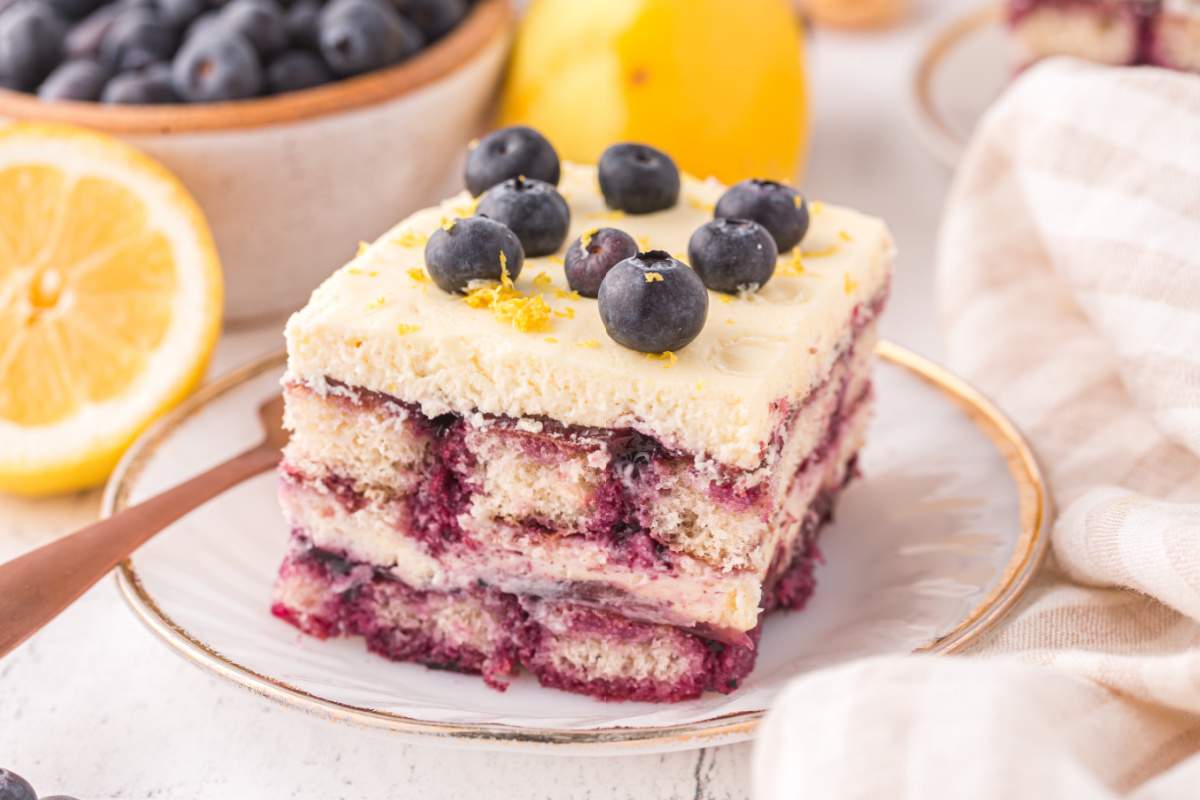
<point x="960" y="73"/>
<point x="929" y="549"/>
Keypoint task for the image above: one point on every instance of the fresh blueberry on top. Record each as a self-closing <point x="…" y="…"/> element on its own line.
<point x="74" y="80"/>
<point x="732" y="255"/>
<point x="362" y="35"/>
<point x="260" y="21"/>
<point x="31" y="41"/>
<point x="136" y="38"/>
<point x="592" y="255"/>
<point x="435" y="18"/>
<point x="777" y="207"/>
<point x="470" y="249"/>
<point x="216" y="65"/>
<point x="83" y="40"/>
<point x="507" y="153"/>
<point x="638" y="179"/>
<point x="146" y="86"/>
<point x="534" y="210"/>
<point x="295" y="70"/>
<point x="14" y="787"/>
<point x="653" y="303"/>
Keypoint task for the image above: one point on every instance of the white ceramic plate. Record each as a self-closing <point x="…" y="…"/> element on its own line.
<point x="961" y="72"/>
<point x="928" y="550"/>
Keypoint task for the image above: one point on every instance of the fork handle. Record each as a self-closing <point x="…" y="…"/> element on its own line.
<point x="36" y="587"/>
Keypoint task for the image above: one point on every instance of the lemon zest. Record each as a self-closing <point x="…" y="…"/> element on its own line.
<point x="567" y="294"/>
<point x="419" y="275"/>
<point x="700" y="205"/>
<point x="542" y="280"/>
<point x="845" y="236"/>
<point x="653" y="277"/>
<point x="586" y="237"/>
<point x="551" y="340"/>
<point x="528" y="314"/>
<point x="447" y="224"/>
<point x="667" y="357"/>
<point x="793" y="265"/>
<point x="591" y="344"/>
<point x="363" y="247"/>
<point x="725" y="298"/>
<point x="823" y="253"/>
<point x="848" y="284"/>
<point x="643" y="243"/>
<point x="378" y="302"/>
<point x="565" y="313"/>
<point x="405" y="328"/>
<point x="407" y="238"/>
<point x="816" y="207"/>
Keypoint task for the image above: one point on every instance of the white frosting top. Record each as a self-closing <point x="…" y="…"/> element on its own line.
<point x="381" y="324"/>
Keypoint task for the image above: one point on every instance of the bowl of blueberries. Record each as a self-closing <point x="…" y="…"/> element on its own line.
<point x="298" y="125"/>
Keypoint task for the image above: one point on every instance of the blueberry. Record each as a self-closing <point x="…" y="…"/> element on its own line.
<point x="358" y="36"/>
<point x="434" y="18"/>
<point x="136" y="38"/>
<point x="74" y="9"/>
<point x="777" y="207"/>
<point x="301" y="21"/>
<point x="148" y="86"/>
<point x="260" y="21"/>
<point x="216" y="65"/>
<point x="653" y="303"/>
<point x="732" y="255"/>
<point x="200" y="25"/>
<point x="470" y="249"/>
<point x="638" y="179"/>
<point x="587" y="264"/>
<point x="534" y="210"/>
<point x="31" y="42"/>
<point x="74" y="80"/>
<point x="180" y="13"/>
<point x="14" y="787"/>
<point x="83" y="40"/>
<point x="507" y="153"/>
<point x="296" y="70"/>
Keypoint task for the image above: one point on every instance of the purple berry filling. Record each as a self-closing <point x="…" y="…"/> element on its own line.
<point x="360" y="600"/>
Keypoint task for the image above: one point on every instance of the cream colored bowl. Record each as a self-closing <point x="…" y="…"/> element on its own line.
<point x="291" y="183"/>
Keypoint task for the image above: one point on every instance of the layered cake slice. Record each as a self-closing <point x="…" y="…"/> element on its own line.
<point x="1174" y="38"/>
<point x="590" y="461"/>
<point x="1105" y="31"/>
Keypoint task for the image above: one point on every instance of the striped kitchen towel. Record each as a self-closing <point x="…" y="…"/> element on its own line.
<point x="1069" y="279"/>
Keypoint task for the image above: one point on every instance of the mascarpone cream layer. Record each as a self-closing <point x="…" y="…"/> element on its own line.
<point x="378" y="323"/>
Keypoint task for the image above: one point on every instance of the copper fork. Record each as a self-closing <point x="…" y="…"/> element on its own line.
<point x="36" y="587"/>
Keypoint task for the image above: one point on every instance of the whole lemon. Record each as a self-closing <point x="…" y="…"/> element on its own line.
<point x="718" y="85"/>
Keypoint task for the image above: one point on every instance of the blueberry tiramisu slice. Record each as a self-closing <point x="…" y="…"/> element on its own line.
<point x="1105" y="31"/>
<point x="602" y="464"/>
<point x="1174" y="39"/>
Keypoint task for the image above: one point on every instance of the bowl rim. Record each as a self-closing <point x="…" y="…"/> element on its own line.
<point x="486" y="19"/>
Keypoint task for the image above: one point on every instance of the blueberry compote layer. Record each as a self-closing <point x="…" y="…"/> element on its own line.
<point x="564" y="643"/>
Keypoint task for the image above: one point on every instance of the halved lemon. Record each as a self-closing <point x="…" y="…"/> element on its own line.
<point x="110" y="302"/>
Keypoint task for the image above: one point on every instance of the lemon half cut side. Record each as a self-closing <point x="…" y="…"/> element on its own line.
<point x="110" y="302"/>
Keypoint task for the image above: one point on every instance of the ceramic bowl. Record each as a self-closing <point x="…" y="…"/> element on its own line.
<point x="291" y="183"/>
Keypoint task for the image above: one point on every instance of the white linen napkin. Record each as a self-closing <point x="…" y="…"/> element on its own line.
<point x="1069" y="291"/>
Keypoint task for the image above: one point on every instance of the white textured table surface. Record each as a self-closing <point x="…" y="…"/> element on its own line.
<point x="94" y="707"/>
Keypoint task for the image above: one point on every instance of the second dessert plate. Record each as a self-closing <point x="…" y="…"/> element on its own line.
<point x="929" y="549"/>
<point x="961" y="72"/>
